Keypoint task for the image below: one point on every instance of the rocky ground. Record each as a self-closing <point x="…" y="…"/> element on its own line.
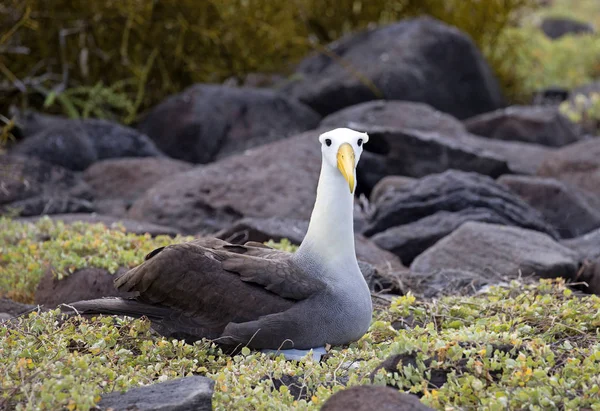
<point x="458" y="192"/>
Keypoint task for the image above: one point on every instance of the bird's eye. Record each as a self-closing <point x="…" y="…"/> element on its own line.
<point x="328" y="142"/>
<point x="359" y="142"/>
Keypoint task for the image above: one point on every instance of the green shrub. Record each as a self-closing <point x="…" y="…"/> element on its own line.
<point x="117" y="58"/>
<point x="584" y="110"/>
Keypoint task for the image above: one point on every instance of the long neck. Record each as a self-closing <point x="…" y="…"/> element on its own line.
<point x="330" y="235"/>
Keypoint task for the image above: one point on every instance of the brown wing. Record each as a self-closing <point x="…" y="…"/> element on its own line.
<point x="217" y="283"/>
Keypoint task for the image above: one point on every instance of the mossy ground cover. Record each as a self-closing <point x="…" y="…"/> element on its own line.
<point x="515" y="347"/>
<point x="27" y="250"/>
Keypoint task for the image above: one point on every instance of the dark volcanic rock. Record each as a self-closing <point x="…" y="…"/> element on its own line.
<point x="128" y="178"/>
<point x="276" y="180"/>
<point x="83" y="284"/>
<point x="76" y="144"/>
<point x="530" y="124"/>
<point x="577" y="164"/>
<point x="420" y="60"/>
<point x="373" y="397"/>
<point x="13" y="308"/>
<point x="395" y="114"/>
<point x="183" y="394"/>
<point x="417" y="153"/>
<point x="409" y="240"/>
<point x="572" y="211"/>
<point x="450" y="281"/>
<point x="34" y="187"/>
<point x="454" y="191"/>
<point x="588" y="245"/>
<point x="118" y="182"/>
<point x="556" y="27"/>
<point x="130" y="226"/>
<point x="490" y="249"/>
<point x="30" y="122"/>
<point x="208" y="122"/>
<point x="388" y="186"/>
<point x="522" y="158"/>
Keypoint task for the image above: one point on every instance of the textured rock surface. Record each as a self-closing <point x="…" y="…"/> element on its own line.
<point x="588" y="245"/>
<point x="556" y="27"/>
<point x="83" y="284"/>
<point x="34" y="187"/>
<point x="396" y="114"/>
<point x="529" y="124"/>
<point x="454" y="191"/>
<point x="407" y="241"/>
<point x="183" y="394"/>
<point x="373" y="397"/>
<point x="490" y="249"/>
<point x="416" y="153"/>
<point x="128" y="178"/>
<point x="212" y="197"/>
<point x="577" y="164"/>
<point x="416" y="60"/>
<point x="76" y="144"/>
<point x="12" y="308"/>
<point x="209" y="122"/>
<point x="572" y="211"/>
<point x="389" y="185"/>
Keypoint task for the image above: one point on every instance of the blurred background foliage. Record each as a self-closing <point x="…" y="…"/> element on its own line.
<point x="116" y="58"/>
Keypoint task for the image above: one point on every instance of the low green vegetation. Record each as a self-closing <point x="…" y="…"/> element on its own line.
<point x="515" y="347"/>
<point x="28" y="250"/>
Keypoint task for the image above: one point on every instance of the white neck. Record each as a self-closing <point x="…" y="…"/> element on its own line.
<point x="330" y="235"/>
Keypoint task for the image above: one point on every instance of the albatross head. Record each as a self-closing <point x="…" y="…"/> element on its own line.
<point x="341" y="149"/>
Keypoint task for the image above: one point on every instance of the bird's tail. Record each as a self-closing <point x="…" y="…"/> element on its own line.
<point x="116" y="306"/>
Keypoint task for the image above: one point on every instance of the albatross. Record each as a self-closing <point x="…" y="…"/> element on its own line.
<point x="256" y="296"/>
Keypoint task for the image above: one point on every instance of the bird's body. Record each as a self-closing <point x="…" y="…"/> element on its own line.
<point x="257" y="296"/>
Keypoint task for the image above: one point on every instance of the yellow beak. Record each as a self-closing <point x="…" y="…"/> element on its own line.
<point x="345" y="163"/>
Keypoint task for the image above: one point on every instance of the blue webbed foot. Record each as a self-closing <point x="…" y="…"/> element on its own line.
<point x="297" y="355"/>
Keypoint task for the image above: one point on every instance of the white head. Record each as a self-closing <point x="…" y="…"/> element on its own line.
<point x="341" y="149"/>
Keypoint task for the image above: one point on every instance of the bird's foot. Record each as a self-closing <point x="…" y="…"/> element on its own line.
<point x="297" y="355"/>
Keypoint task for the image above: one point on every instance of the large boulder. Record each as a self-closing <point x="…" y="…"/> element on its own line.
<point x="30" y="186"/>
<point x="416" y="153"/>
<point x="415" y="139"/>
<point x="76" y="144"/>
<point x="407" y="241"/>
<point x="556" y="27"/>
<point x="588" y="245"/>
<point x="373" y="397"/>
<point x="454" y="191"/>
<point x="420" y="59"/>
<point x="577" y="164"/>
<point x="275" y="180"/>
<point x="208" y="122"/>
<point x="396" y="114"/>
<point x="507" y="252"/>
<point x="530" y="124"/>
<point x="192" y="393"/>
<point x="389" y="185"/>
<point x="569" y="209"/>
<point x="118" y="182"/>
